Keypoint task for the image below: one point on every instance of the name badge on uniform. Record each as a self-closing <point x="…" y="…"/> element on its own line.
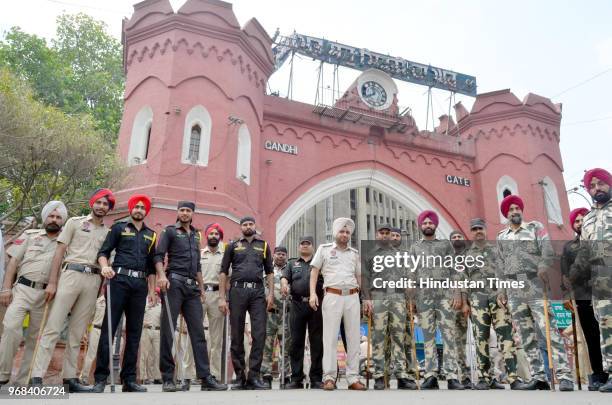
<point x="86" y="226"/>
<point x="127" y="232"/>
<point x="38" y="241"/>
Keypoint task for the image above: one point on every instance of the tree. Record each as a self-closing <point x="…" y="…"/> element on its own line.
<point x="81" y="72"/>
<point x="46" y="154"/>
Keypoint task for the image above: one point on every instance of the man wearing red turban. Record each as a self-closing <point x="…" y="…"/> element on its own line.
<point x="525" y="254"/>
<point x="597" y="230"/>
<point x="136" y="198"/>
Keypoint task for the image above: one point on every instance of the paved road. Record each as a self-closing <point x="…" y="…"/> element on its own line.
<point x="340" y="396"/>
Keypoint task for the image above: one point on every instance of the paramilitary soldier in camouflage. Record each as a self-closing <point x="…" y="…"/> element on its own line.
<point x="24" y="286"/>
<point x="274" y="324"/>
<point x="596" y="251"/>
<point x="387" y="306"/>
<point x="461" y="324"/>
<point x="582" y="296"/>
<point x="436" y="307"/>
<point x="485" y="312"/>
<point x="526" y="254"/>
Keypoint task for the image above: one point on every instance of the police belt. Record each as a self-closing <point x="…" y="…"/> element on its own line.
<point x="151" y="327"/>
<point x="343" y="291"/>
<point x="130" y="272"/>
<point x="185" y="280"/>
<point x="300" y="298"/>
<point x="211" y="287"/>
<point x="31" y="284"/>
<point x="82" y="268"/>
<point x="247" y="284"/>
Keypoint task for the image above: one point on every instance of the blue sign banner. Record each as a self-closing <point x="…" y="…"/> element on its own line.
<point x="363" y="59"/>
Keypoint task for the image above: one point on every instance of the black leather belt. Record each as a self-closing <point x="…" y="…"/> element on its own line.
<point x="247" y="284"/>
<point x="151" y="327"/>
<point x="186" y="280"/>
<point x="98" y="326"/>
<point x="130" y="272"/>
<point x="33" y="284"/>
<point x="300" y="299"/>
<point x="211" y="287"/>
<point x="82" y="268"/>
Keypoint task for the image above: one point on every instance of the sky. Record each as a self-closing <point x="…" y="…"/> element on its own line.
<point x="558" y="49"/>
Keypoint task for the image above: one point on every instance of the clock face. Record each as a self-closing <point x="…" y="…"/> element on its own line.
<point x="373" y="94"/>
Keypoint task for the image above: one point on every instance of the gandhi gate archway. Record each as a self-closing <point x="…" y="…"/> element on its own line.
<point x="377" y="179"/>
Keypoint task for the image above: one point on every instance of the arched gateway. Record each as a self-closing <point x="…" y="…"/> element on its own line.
<point x="267" y="156"/>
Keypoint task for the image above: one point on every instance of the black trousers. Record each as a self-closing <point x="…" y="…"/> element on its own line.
<point x="129" y="296"/>
<point x="186" y="300"/>
<point x="253" y="301"/>
<point x="590" y="327"/>
<point x="303" y="317"/>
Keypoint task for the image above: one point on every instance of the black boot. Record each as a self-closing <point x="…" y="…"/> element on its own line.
<point x="607" y="387"/>
<point x="169" y="386"/>
<point x="255" y="383"/>
<point x="496" y="385"/>
<point x="186" y="386"/>
<point x="131" y="386"/>
<point x="597" y="380"/>
<point x="316" y="385"/>
<point x="379" y="383"/>
<point x="431" y="383"/>
<point x="36" y="381"/>
<point x="482" y="386"/>
<point x="566" y="385"/>
<point x="75" y="386"/>
<point x="158" y="382"/>
<point x="454" y="384"/>
<point x="267" y="379"/>
<point x="542" y="385"/>
<point x="517" y="385"/>
<point x="295" y="385"/>
<point x="406" y="384"/>
<point x="210" y="383"/>
<point x="239" y="383"/>
<point x="99" y="387"/>
<point x="467" y="383"/>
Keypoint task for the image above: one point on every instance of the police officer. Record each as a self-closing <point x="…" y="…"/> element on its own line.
<point x="23" y="289"/>
<point x="93" y="338"/>
<point x="595" y="252"/>
<point x="296" y="280"/>
<point x="340" y="266"/>
<point x="457" y="239"/>
<point x="184" y="287"/>
<point x="526" y="254"/>
<point x="131" y="279"/>
<point x="584" y="307"/>
<point x="486" y="313"/>
<point x="396" y="237"/>
<point x="149" y="342"/>
<point x="211" y="257"/>
<point x="249" y="258"/>
<point x="436" y="307"/>
<point x="274" y="324"/>
<point x="77" y="291"/>
<point x="387" y="306"/>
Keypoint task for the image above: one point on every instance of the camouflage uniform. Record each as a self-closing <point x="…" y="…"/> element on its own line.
<point x="596" y="251"/>
<point x="274" y="330"/>
<point x="435" y="308"/>
<point x="522" y="253"/>
<point x="486" y="314"/>
<point x="388" y="324"/>
<point x="461" y="325"/>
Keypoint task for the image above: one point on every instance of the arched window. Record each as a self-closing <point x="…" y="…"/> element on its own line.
<point x="196" y="136"/>
<point x="243" y="164"/>
<point x="551" y="201"/>
<point x="141" y="136"/>
<point x="506" y="185"/>
<point x="194" y="144"/>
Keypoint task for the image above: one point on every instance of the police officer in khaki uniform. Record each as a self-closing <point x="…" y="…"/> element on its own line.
<point x="23" y="290"/>
<point x="93" y="338"/>
<point x="149" y="343"/>
<point x="211" y="257"/>
<point x="78" y="288"/>
<point x="340" y="266"/>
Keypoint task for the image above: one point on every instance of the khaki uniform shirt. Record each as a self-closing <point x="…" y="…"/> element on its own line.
<point x="340" y="268"/>
<point x="211" y="263"/>
<point x="84" y="239"/>
<point x="34" y="252"/>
